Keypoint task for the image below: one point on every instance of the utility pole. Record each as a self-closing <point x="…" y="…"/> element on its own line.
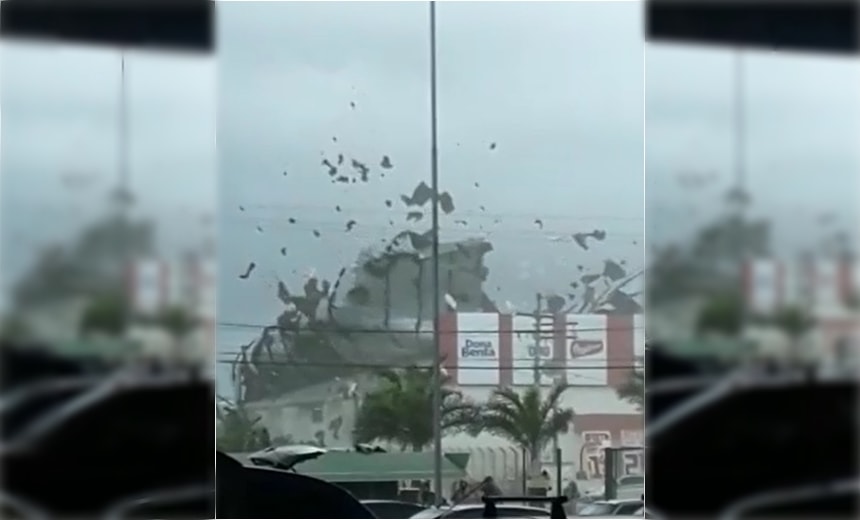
<point x="742" y="198"/>
<point x="538" y="333"/>
<point x="437" y="301"/>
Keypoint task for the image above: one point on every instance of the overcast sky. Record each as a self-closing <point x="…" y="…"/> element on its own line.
<point x="59" y="108"/>
<point x="557" y="86"/>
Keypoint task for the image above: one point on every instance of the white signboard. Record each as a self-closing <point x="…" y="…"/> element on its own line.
<point x="478" y="348"/>
<point x="587" y="359"/>
<point x="526" y="351"/>
<point x="149" y="284"/>
<point x="763" y="291"/>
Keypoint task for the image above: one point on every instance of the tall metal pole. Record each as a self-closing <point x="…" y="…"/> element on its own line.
<point x="437" y="300"/>
<point x="123" y="139"/>
<point x="740" y="172"/>
<point x="740" y="128"/>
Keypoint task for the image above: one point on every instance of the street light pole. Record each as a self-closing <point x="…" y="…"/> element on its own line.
<point x="434" y="184"/>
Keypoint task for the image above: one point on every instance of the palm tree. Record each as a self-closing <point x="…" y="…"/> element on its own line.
<point x="400" y="409"/>
<point x="526" y="419"/>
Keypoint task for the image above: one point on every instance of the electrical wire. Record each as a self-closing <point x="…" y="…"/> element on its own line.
<point x="351" y="330"/>
<point x="382" y="366"/>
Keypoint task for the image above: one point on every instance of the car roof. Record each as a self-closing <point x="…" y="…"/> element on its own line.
<point x="466" y="507"/>
<point x="386" y="501"/>
<point x="618" y="501"/>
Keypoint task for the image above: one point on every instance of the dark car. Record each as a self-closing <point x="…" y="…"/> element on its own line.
<point x="392" y="508"/>
<point x="477" y="511"/>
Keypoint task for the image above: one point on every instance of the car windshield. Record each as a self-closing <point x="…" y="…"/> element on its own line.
<point x="597" y="509"/>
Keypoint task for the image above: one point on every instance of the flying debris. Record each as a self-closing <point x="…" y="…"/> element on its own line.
<point x="285" y="173"/>
<point x="477" y="185"/>
<point x="613" y="270"/>
<point x="539" y="223"/>
<point x="351" y="224"/>
<point x="582" y="238"/>
<point x="386" y="162"/>
<point x="446" y="203"/>
<point x="334" y="139"/>
<point x="361" y="168"/>
<point x="342" y="179"/>
<point x="483" y="208"/>
<point x="461" y="222"/>
<point x="414" y="215"/>
<point x="589" y="278"/>
<point x="316" y="233"/>
<point x="241" y="208"/>
<point x="388" y="203"/>
<point x="352" y="105"/>
<point x="451" y="302"/>
<point x="332" y="169"/>
<point x="248" y="271"/>
<point x="283" y="293"/>
<point x="259" y="229"/>
<point x="492" y="146"/>
<point x="291" y="220"/>
<point x="420" y="195"/>
<point x="337" y="208"/>
<point x="283" y="251"/>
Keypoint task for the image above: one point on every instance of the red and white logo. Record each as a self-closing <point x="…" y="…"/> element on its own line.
<point x="582" y="350"/>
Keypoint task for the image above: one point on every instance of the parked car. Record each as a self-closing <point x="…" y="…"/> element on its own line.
<point x="643" y="512"/>
<point x="630" y="487"/>
<point x="477" y="511"/>
<point x="392" y="508"/>
<point x="618" y="507"/>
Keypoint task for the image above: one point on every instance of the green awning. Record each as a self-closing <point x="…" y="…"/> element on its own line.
<point x="726" y="349"/>
<point x="102" y="348"/>
<point x="337" y="466"/>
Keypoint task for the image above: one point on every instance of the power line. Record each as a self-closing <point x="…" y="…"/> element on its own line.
<point x="360" y="228"/>
<point x="413" y="365"/>
<point x="294" y="209"/>
<point x="607" y="362"/>
<point x="412" y="330"/>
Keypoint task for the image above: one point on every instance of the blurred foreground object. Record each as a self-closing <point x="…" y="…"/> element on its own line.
<point x="185" y="25"/>
<point x="824" y="27"/>
<point x="749" y="435"/>
<point x="118" y="436"/>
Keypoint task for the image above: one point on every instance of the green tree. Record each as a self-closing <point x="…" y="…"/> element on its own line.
<point x="722" y="314"/>
<point x="633" y="390"/>
<point x="107" y="314"/>
<point x="237" y="430"/>
<point x="528" y="420"/>
<point x="795" y="323"/>
<point x="400" y="409"/>
<point x="15" y="328"/>
<point x="178" y="322"/>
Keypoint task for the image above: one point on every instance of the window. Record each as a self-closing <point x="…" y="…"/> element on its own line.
<point x="317" y="415"/>
<point x="628" y="509"/>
